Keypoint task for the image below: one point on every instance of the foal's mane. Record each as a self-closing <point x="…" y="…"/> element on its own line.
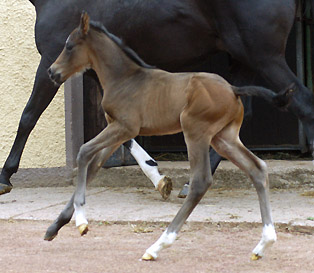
<point x="127" y="50"/>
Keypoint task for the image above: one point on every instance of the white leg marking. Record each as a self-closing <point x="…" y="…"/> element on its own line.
<point x="80" y="215"/>
<point x="141" y="157"/>
<point x="165" y="240"/>
<point x="268" y="238"/>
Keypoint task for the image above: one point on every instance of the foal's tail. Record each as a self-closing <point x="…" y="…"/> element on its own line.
<point x="281" y="99"/>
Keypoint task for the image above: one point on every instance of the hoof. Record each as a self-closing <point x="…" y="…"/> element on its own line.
<point x="4" y="188"/>
<point x="51" y="233"/>
<point x="148" y="257"/>
<point x="83" y="228"/>
<point x="165" y="187"/>
<point x="50" y="237"/>
<point x="255" y="257"/>
<point x="184" y="191"/>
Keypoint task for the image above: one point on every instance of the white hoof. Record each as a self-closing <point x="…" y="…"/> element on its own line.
<point x="148" y="257"/>
<point x="83" y="229"/>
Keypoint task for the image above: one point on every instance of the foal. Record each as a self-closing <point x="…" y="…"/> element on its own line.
<point x="140" y="100"/>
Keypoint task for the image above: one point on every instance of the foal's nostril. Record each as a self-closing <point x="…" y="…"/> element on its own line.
<point x="55" y="77"/>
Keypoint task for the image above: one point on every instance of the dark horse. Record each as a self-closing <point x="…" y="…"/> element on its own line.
<point x="176" y="36"/>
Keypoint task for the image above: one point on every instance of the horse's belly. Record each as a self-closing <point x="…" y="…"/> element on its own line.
<point x="161" y="128"/>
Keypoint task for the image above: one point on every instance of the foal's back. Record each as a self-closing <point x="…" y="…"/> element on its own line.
<point x="202" y="96"/>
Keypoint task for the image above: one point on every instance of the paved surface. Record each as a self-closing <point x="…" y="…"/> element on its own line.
<point x="232" y="198"/>
<point x="292" y="207"/>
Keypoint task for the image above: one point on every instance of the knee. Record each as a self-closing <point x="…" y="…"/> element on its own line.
<point x="260" y="175"/>
<point x="262" y="168"/>
<point x="83" y="156"/>
<point x="208" y="181"/>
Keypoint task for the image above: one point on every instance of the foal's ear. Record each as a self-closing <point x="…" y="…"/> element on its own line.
<point x="84" y="25"/>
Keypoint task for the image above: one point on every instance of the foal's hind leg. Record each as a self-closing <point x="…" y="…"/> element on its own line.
<point x="228" y="144"/>
<point x="200" y="180"/>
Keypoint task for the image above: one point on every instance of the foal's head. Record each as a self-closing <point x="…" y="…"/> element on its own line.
<point x="74" y="57"/>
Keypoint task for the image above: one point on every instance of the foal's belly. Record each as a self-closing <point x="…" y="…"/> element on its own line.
<point x="161" y="128"/>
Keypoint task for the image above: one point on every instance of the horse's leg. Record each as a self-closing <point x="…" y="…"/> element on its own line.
<point x="43" y="92"/>
<point x="279" y="75"/>
<point x="65" y="216"/>
<point x="228" y="144"/>
<point x="111" y="137"/>
<point x="150" y="168"/>
<point x="201" y="179"/>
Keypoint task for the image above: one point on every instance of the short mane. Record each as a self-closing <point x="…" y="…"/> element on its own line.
<point x="128" y="51"/>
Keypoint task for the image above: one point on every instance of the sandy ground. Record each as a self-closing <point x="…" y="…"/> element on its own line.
<point x="219" y="236"/>
<point x="118" y="248"/>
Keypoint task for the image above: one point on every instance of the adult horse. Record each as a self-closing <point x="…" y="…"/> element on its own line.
<point x="175" y="35"/>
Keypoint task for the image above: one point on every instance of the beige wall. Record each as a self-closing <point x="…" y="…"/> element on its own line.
<point x="18" y="63"/>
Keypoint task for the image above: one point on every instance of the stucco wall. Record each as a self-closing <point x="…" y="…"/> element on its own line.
<point x="18" y="64"/>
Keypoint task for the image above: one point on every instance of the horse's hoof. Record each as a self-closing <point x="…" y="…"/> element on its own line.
<point x="83" y="229"/>
<point x="184" y="191"/>
<point x="255" y="257"/>
<point x="148" y="257"/>
<point x="165" y="187"/>
<point x="4" y="188"/>
<point x="50" y="237"/>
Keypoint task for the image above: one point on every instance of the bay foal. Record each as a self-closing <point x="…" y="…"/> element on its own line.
<point x="140" y="100"/>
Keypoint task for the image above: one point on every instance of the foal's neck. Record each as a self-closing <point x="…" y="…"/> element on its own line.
<point x="111" y="64"/>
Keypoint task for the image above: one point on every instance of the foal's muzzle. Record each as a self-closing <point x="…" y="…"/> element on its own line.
<point x="55" y="77"/>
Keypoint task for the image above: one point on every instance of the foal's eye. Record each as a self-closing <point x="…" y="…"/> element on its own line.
<point x="69" y="47"/>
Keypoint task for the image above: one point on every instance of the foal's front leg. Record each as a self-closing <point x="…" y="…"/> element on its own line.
<point x="91" y="157"/>
<point x="149" y="166"/>
<point x="111" y="138"/>
<point x="65" y="216"/>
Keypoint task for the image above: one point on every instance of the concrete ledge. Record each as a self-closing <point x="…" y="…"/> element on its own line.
<point x="283" y="175"/>
<point x="42" y="177"/>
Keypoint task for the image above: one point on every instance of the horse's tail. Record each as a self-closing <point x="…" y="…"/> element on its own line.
<point x="281" y="99"/>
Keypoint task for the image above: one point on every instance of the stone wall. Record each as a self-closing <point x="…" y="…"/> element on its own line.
<point x="18" y="64"/>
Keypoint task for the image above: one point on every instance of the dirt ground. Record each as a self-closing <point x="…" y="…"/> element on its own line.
<point x="110" y="247"/>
